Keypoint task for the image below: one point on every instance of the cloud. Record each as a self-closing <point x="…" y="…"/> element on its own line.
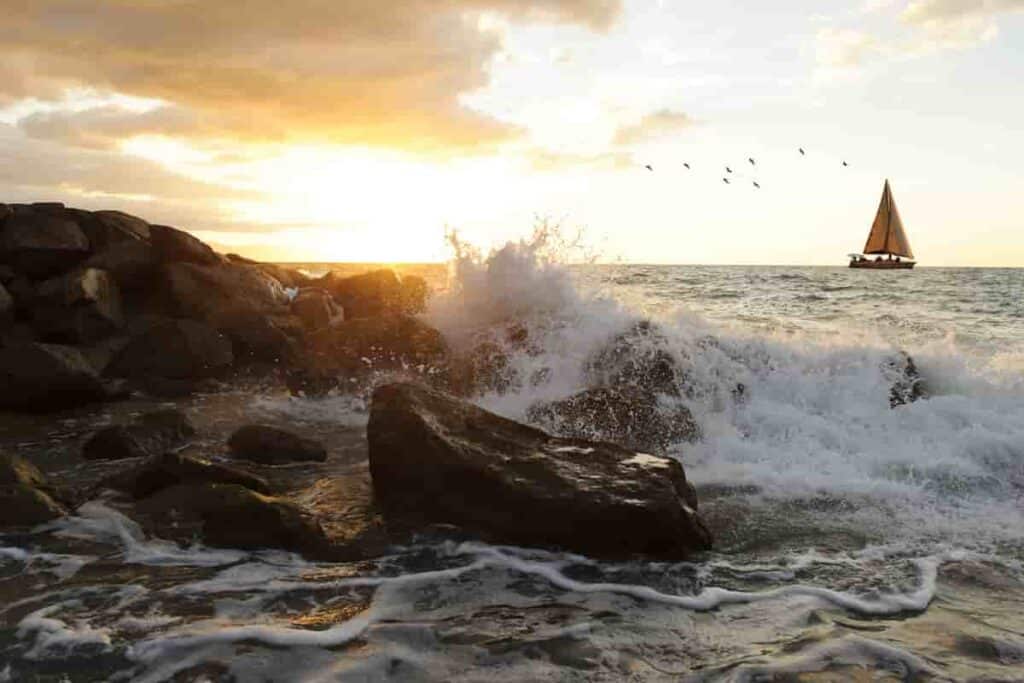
<point x="844" y="48"/>
<point x="104" y="127"/>
<point x="654" y="125"/>
<point x="956" y="24"/>
<point x="546" y="160"/>
<point x="342" y="71"/>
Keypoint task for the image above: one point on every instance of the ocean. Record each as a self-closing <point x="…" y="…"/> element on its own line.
<point x="854" y="541"/>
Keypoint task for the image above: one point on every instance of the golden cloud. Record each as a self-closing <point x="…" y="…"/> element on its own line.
<point x="654" y="125"/>
<point x="340" y="71"/>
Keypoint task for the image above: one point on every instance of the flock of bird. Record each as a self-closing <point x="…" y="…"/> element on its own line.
<point x="729" y="172"/>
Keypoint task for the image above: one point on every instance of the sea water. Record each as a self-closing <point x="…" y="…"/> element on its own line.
<point x="854" y="541"/>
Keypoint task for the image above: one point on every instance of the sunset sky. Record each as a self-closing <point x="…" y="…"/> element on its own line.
<point x="357" y="130"/>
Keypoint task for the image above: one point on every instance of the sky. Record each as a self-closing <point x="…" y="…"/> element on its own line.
<point x="364" y="130"/>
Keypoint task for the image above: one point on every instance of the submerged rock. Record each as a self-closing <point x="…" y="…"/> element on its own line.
<point x="175" y="349"/>
<point x="170" y="469"/>
<point x="629" y="417"/>
<point x="151" y="434"/>
<point x="25" y="497"/>
<point x="639" y="358"/>
<point x="907" y="383"/>
<point x="435" y="458"/>
<point x="378" y="292"/>
<point x="270" y="446"/>
<point x="79" y="307"/>
<point x="234" y="516"/>
<point x="41" y="243"/>
<point x="48" y="377"/>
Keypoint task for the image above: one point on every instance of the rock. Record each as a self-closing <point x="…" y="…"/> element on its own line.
<point x="173" y="246"/>
<point x="435" y="458"/>
<point x="164" y="387"/>
<point x="6" y="274"/>
<point x="235" y="517"/>
<point x="289" y="277"/>
<point x="79" y="307"/>
<point x="40" y="243"/>
<point x="6" y="306"/>
<point x="150" y="435"/>
<point x="210" y="292"/>
<point x="259" y="336"/>
<point x="485" y="368"/>
<point x="629" y="417"/>
<point x="378" y="292"/>
<point x="907" y="384"/>
<point x="170" y="469"/>
<point x="5" y="212"/>
<point x="106" y="228"/>
<point x="639" y="358"/>
<point x="131" y="263"/>
<point x="316" y="309"/>
<point x="47" y="377"/>
<point x="271" y="446"/>
<point x="175" y="349"/>
<point x="25" y="497"/>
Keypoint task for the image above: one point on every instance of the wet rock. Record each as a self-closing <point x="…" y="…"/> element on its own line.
<point x="131" y="263"/>
<point x="907" y="383"/>
<point x="47" y="377"/>
<point x="170" y="469"/>
<point x="175" y="349"/>
<point x="6" y="306"/>
<point x="289" y="277"/>
<point x="41" y="243"/>
<point x="79" y="307"/>
<point x="271" y="446"/>
<point x="260" y="337"/>
<point x="436" y="458"/>
<point x="378" y="292"/>
<point x="485" y="368"/>
<point x="165" y="387"/>
<point x="106" y="228"/>
<point x="316" y="309"/>
<point x="25" y="497"/>
<point x="210" y="292"/>
<point x="174" y="246"/>
<point x="233" y="516"/>
<point x="6" y="274"/>
<point x="639" y="358"/>
<point x="149" y="435"/>
<point x="629" y="417"/>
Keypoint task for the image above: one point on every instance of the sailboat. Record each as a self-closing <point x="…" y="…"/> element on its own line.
<point x="886" y="237"/>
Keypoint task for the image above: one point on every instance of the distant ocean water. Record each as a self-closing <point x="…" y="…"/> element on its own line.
<point x="854" y="541"/>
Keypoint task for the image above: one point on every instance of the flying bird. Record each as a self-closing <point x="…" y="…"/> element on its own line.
<point x="686" y="164"/>
<point x="725" y="180"/>
<point x="728" y="169"/>
<point x="756" y="185"/>
<point x="751" y="160"/>
<point x="845" y="164"/>
<point x="802" y="152"/>
<point x="648" y="167"/>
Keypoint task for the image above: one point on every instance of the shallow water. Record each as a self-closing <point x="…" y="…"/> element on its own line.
<point x="854" y="542"/>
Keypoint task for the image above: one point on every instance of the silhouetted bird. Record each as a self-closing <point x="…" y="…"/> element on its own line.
<point x="728" y="169"/>
<point x="845" y="164"/>
<point x="802" y="152"/>
<point x="756" y="185"/>
<point x="725" y="180"/>
<point x="751" y="160"/>
<point x="686" y="164"/>
<point x="648" y="167"/>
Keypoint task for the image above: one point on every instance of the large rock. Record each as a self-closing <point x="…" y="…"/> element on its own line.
<point x="233" y="516"/>
<point x="79" y="307"/>
<point x="209" y="292"/>
<point x="106" y="228"/>
<point x="438" y="459"/>
<point x="173" y="246"/>
<point x="6" y="306"/>
<point x="639" y="358"/>
<point x="132" y="263"/>
<point x="170" y="469"/>
<point x="151" y="434"/>
<point x="907" y="385"/>
<point x="25" y="497"/>
<point x="316" y="309"/>
<point x="629" y="417"/>
<point x="289" y="277"/>
<point x="175" y="349"/>
<point x="272" y="446"/>
<point x="41" y="243"/>
<point x="377" y="292"/>
<point x="47" y="377"/>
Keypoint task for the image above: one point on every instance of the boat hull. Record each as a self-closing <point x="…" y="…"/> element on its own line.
<point x="883" y="265"/>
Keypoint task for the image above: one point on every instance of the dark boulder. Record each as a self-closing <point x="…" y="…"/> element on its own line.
<point x="907" y="384"/>
<point x="271" y="446"/>
<point x="233" y="516"/>
<point x="40" y="243"/>
<point x="629" y="417"/>
<point x="175" y="349"/>
<point x="25" y="497"/>
<point x="209" y="292"/>
<point x="149" y="435"/>
<point x="170" y="469"/>
<point x="377" y="292"/>
<point x="435" y="458"/>
<point x="173" y="246"/>
<point x="289" y="277"/>
<point x="316" y="309"/>
<point x="131" y="263"/>
<point x="79" y="307"/>
<point x="638" y="357"/>
<point x="48" y="377"/>
<point x="259" y="336"/>
<point x="106" y="228"/>
<point x="6" y="306"/>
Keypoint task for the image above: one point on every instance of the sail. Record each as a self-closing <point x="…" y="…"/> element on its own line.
<point x="887" y="235"/>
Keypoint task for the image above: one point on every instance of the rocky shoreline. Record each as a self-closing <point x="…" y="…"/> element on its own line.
<point x="99" y="307"/>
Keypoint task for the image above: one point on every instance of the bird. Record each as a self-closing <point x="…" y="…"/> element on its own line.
<point x="728" y="169"/>
<point x="686" y="164"/>
<point x="845" y="164"/>
<point x="802" y="152"/>
<point x="756" y="185"/>
<point x="648" y="167"/>
<point x="725" y="180"/>
<point x="751" y="160"/>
